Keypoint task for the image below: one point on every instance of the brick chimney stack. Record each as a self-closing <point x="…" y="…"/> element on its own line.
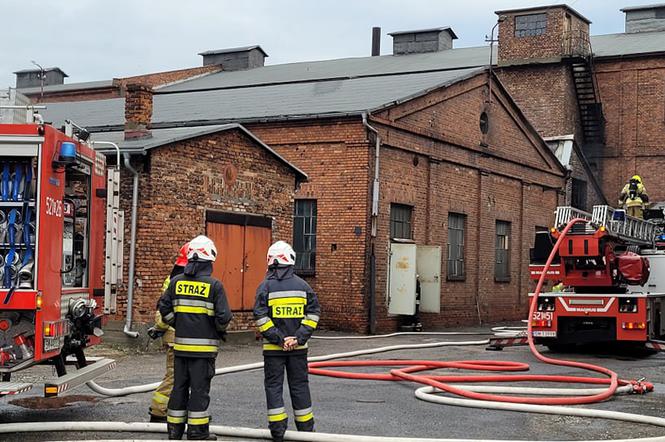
<point x="138" y="111"/>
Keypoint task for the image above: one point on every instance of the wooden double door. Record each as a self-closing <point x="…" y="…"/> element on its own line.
<point x="242" y="243"/>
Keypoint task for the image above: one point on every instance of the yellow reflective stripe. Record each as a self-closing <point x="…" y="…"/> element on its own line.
<point x="195" y="348"/>
<point x="160" y="398"/>
<point x="277" y="417"/>
<point x="290" y="300"/>
<point x="277" y="347"/>
<point x="176" y="420"/>
<point x="305" y="417"/>
<point x="198" y="420"/>
<point x="196" y="310"/>
<point x="266" y="326"/>
<point x="165" y="286"/>
<point x="310" y="323"/>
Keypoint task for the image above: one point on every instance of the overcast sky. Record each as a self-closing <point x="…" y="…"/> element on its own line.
<point x="102" y="39"/>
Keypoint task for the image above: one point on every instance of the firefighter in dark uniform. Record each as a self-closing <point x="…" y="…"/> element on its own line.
<point x="286" y="313"/>
<point x="195" y="305"/>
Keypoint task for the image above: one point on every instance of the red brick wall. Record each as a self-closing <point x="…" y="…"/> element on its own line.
<point x="456" y="173"/>
<point x="335" y="155"/>
<point x="546" y="95"/>
<point x="173" y="202"/>
<point x="547" y="46"/>
<point x="633" y="96"/>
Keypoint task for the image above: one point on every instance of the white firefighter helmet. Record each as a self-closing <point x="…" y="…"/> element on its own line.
<point x="281" y="253"/>
<point x="201" y="248"/>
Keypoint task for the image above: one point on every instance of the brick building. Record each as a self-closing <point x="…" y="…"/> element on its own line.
<point x="427" y="147"/>
<point x="219" y="180"/>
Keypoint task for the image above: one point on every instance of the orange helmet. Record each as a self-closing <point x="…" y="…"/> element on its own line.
<point x="181" y="260"/>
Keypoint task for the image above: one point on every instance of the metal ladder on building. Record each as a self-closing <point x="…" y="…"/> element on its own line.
<point x="577" y="48"/>
<point x="616" y="221"/>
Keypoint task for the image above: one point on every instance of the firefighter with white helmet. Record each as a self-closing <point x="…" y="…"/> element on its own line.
<point x="195" y="305"/>
<point x="634" y="197"/>
<point x="287" y="312"/>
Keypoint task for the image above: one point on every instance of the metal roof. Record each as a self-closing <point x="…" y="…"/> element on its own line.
<point x="319" y="88"/>
<point x="641" y="7"/>
<point x="69" y="87"/>
<point x="230" y="50"/>
<point x="272" y="102"/>
<point x="421" y="31"/>
<point x="26" y="71"/>
<point x="86" y="113"/>
<point x="161" y="137"/>
<point x="343" y="68"/>
<point x="543" y="8"/>
<point x="622" y="45"/>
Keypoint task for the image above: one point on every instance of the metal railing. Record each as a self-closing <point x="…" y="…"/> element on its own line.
<point x="564" y="214"/>
<point x="576" y="43"/>
<point x="619" y="223"/>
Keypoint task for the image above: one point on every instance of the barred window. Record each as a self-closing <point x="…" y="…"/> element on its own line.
<point x="530" y="25"/>
<point x="400" y="221"/>
<point x="456" y="268"/>
<point x="304" y="236"/>
<point x="502" y="253"/>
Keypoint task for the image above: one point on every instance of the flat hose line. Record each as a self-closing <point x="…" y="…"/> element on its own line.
<point x="472" y="396"/>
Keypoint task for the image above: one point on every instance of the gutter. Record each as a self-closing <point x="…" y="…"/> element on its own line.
<point x="132" y="248"/>
<point x="374" y="216"/>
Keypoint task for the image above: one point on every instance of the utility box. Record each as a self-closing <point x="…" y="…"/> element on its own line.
<point x="407" y="262"/>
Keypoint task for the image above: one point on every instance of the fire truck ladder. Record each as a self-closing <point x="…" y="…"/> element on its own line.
<point x="616" y="221"/>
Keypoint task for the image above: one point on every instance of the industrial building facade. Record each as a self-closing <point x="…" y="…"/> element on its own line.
<point x="424" y="156"/>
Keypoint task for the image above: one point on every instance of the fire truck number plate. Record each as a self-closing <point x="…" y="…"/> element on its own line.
<point x="544" y="334"/>
<point x="543" y="316"/>
<point x="51" y="344"/>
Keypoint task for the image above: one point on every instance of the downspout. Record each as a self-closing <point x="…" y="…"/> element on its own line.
<point x="374" y="216"/>
<point x="132" y="248"/>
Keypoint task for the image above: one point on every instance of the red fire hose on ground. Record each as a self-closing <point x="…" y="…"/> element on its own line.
<point x="409" y="370"/>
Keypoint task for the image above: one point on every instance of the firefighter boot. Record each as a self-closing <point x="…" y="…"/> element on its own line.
<point x="175" y="431"/>
<point x="307" y="426"/>
<point x="200" y="432"/>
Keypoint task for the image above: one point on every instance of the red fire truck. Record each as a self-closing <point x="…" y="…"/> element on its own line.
<point x="52" y="259"/>
<point x="610" y="280"/>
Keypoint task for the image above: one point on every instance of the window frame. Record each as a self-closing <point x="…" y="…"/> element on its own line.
<point x="502" y="261"/>
<point x="534" y="25"/>
<point x="308" y="239"/>
<point x="460" y="258"/>
<point x="401" y="209"/>
<point x="580" y="188"/>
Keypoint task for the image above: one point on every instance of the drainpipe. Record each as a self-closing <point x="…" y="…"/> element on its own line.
<point x="132" y="248"/>
<point x="375" y="214"/>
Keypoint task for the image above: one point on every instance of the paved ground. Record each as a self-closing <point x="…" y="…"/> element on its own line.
<point x="356" y="407"/>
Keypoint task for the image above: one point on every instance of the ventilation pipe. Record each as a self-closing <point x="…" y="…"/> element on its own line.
<point x="132" y="247"/>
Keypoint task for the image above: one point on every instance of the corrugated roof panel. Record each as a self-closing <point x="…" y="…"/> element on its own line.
<point x="340" y="68"/>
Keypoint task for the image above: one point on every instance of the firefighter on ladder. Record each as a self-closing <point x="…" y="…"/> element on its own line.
<point x="160" y="397"/>
<point x="634" y="197"/>
<point x="195" y="304"/>
<point x="286" y="313"/>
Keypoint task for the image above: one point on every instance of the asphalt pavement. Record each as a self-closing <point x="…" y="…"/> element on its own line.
<point x="351" y="406"/>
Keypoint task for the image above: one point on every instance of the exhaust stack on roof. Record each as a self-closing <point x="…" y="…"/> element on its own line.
<point x="376" y="41"/>
<point x="422" y="40"/>
<point x="236" y="59"/>
<point x="645" y="18"/>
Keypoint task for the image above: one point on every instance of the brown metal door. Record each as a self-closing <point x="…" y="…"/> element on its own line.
<point x="257" y="242"/>
<point x="229" y="240"/>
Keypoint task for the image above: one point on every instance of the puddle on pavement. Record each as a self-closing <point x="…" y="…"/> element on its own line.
<point x="48" y="403"/>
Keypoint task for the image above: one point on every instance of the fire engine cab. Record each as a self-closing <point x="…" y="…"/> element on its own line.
<point x="609" y="278"/>
<point x="53" y="196"/>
